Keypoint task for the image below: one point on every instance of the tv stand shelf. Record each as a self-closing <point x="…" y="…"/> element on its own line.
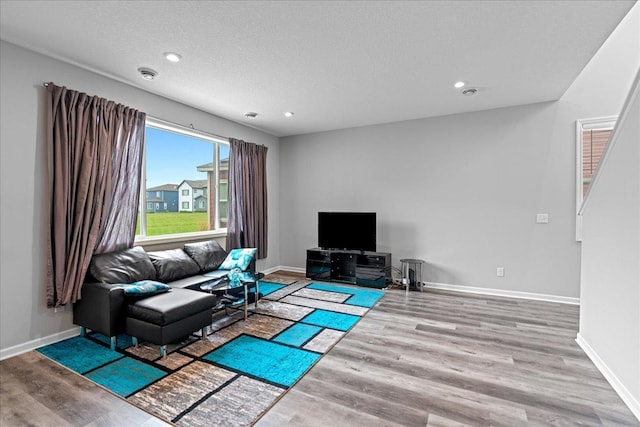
<point x="364" y="268"/>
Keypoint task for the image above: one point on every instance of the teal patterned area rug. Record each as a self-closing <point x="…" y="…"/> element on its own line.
<point x="239" y="370"/>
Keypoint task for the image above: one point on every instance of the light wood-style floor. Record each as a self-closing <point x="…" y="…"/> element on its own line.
<point x="442" y="358"/>
<point x="430" y="359"/>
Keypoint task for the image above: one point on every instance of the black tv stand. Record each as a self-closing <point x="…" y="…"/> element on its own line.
<point x="364" y="268"/>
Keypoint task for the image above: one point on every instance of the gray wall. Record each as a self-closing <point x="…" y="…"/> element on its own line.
<point x="24" y="316"/>
<point x="610" y="292"/>
<point x="462" y="191"/>
<point x="610" y="278"/>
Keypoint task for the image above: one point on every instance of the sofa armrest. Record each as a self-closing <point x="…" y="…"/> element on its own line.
<point x="101" y="309"/>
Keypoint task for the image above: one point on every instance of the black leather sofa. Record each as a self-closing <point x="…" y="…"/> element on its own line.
<point x="105" y="308"/>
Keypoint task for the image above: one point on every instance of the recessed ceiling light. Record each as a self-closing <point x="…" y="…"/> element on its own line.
<point x="251" y="115"/>
<point x="458" y="85"/>
<point x="147" y="73"/>
<point x="469" y="92"/>
<point x="288" y="114"/>
<point x="172" y="56"/>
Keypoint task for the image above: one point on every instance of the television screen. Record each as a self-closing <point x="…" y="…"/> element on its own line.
<point x="347" y="230"/>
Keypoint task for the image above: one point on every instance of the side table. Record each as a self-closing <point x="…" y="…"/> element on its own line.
<point x="405" y="268"/>
<point x="248" y="281"/>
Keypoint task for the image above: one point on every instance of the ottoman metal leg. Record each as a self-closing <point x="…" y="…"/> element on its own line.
<point x="113" y="343"/>
<point x="163" y="351"/>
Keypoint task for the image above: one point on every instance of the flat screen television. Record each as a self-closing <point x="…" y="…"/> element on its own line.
<point x="347" y="230"/>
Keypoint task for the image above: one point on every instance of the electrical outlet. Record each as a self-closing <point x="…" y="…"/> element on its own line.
<point x="500" y="271"/>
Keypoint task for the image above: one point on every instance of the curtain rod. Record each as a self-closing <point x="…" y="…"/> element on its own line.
<point x="46" y="84"/>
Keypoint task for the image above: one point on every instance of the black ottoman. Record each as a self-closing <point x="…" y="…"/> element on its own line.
<point x="164" y="318"/>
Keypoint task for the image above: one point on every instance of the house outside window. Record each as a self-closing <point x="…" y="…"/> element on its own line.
<point x="182" y="172"/>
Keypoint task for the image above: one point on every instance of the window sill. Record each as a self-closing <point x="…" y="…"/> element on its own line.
<point x="180" y="238"/>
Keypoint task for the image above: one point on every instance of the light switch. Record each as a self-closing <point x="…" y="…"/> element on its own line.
<point x="542" y="218"/>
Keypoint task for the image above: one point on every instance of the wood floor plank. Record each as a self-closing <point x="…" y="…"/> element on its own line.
<point x="447" y="358"/>
<point x="36" y="391"/>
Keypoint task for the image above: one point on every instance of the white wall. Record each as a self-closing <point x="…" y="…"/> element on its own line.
<point x="23" y="313"/>
<point x="610" y="267"/>
<point x="462" y="191"/>
<point x="610" y="291"/>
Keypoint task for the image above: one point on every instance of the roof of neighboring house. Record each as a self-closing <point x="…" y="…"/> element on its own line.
<point x="164" y="187"/>
<point x="224" y="164"/>
<point x="201" y="197"/>
<point x="155" y="200"/>
<point x="199" y="183"/>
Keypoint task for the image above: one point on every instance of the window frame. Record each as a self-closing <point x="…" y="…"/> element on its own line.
<point x="181" y="237"/>
<point x="598" y="123"/>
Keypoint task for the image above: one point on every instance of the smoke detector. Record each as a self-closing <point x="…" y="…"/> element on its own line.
<point x="251" y="115"/>
<point x="147" y="73"/>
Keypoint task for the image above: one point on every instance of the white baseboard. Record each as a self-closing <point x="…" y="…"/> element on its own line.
<point x="38" y="342"/>
<point x="469" y="289"/>
<point x="623" y="392"/>
<point x="503" y="293"/>
<point x="291" y="269"/>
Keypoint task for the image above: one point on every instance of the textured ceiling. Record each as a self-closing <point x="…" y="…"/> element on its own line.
<point x="335" y="64"/>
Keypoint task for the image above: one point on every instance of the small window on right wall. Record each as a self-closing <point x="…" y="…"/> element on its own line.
<point x="592" y="137"/>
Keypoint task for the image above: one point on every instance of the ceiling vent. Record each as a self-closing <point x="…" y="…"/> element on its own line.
<point x="147" y="73"/>
<point x="469" y="92"/>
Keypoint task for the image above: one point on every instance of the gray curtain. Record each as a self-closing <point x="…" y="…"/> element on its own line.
<point x="95" y="159"/>
<point x="247" y="200"/>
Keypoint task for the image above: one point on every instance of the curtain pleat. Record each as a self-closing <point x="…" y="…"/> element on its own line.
<point x="247" y="199"/>
<point x="95" y="158"/>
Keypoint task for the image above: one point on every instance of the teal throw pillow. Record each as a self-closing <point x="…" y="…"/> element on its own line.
<point x="236" y="277"/>
<point x="238" y="258"/>
<point x="145" y="288"/>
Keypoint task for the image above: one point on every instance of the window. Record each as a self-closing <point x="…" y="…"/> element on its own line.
<point x="592" y="137"/>
<point x="189" y="166"/>
<point x="224" y="192"/>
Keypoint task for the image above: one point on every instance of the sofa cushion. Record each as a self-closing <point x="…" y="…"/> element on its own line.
<point x="168" y="308"/>
<point x="127" y="266"/>
<point x="191" y="282"/>
<point x="238" y="258"/>
<point x="144" y="288"/>
<point x="173" y="264"/>
<point x="208" y="255"/>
